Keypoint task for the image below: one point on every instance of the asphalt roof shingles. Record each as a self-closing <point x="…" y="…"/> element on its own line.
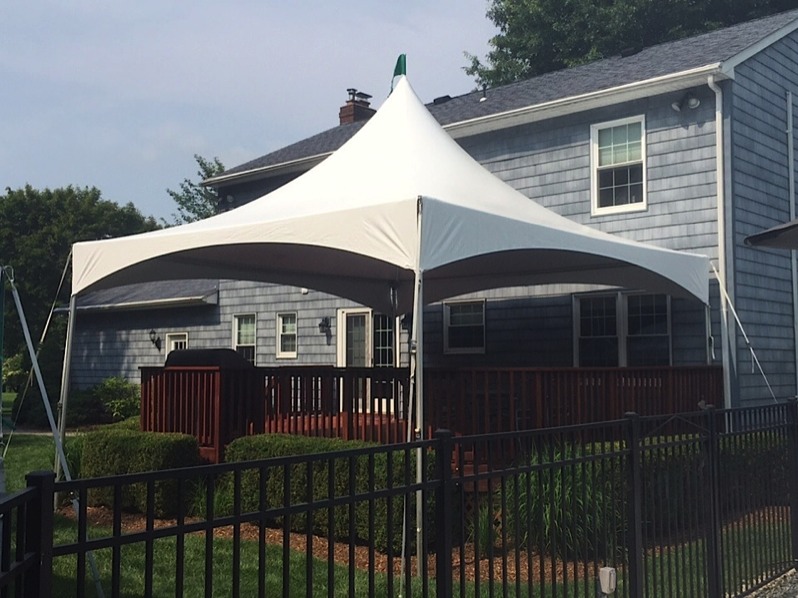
<point x="656" y="61"/>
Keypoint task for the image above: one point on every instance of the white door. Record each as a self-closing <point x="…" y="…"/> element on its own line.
<point x="366" y="339"/>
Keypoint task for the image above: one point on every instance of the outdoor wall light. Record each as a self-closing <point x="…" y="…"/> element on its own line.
<point x="324" y="325"/>
<point x="688" y="100"/>
<point x="155" y="339"/>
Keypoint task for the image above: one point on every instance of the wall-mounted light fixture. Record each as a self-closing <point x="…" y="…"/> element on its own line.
<point x="688" y="100"/>
<point x="155" y="339"/>
<point x="325" y="326"/>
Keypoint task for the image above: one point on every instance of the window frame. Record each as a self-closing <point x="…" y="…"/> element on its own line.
<point x="171" y="337"/>
<point x="595" y="129"/>
<point x="279" y="334"/>
<point x="447" y="348"/>
<point x="236" y="328"/>
<point x="621" y="325"/>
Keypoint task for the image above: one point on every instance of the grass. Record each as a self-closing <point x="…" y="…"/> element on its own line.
<point x="674" y="570"/>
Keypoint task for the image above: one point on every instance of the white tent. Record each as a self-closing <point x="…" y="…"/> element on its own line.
<point x="398" y="217"/>
<point x="400" y="198"/>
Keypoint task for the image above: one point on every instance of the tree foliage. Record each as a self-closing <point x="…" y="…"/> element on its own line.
<point x="37" y="230"/>
<point x="540" y="36"/>
<point x="195" y="202"/>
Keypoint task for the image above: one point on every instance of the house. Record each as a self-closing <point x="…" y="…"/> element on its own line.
<point x="687" y="145"/>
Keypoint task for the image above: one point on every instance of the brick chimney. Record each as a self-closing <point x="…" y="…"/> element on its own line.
<point x="356" y="107"/>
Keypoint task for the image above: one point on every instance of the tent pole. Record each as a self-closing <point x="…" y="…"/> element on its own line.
<point x="417" y="351"/>
<point x="62" y="403"/>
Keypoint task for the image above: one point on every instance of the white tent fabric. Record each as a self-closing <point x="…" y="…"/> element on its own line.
<point x="350" y="227"/>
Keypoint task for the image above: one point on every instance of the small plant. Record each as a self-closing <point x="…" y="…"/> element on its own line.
<point x="482" y="529"/>
<point x="120" y="398"/>
<point x="563" y="505"/>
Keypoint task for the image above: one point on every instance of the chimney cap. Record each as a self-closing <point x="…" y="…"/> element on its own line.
<point x="357" y="96"/>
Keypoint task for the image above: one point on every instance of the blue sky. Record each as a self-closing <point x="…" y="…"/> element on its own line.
<point x="121" y="95"/>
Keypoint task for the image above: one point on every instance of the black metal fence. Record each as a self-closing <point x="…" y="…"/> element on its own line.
<point x="698" y="504"/>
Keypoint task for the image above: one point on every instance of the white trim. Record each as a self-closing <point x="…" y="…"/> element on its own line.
<point x="525" y="115"/>
<point x="341" y="337"/>
<point x="171" y="337"/>
<point x="595" y="210"/>
<point x="621" y="322"/>
<point x="447" y="350"/>
<point x="587" y="101"/>
<point x="297" y="165"/>
<point x="278" y="334"/>
<point x="254" y="345"/>
<point x="733" y="62"/>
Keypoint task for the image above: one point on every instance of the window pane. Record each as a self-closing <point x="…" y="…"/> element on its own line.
<point x="598" y="352"/>
<point x="288" y="343"/>
<point x="246" y="330"/>
<point x="465" y="325"/>
<point x="648" y="350"/>
<point x="621" y="147"/>
<point x="288" y="323"/>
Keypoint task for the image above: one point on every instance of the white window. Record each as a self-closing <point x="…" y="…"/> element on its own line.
<point x="464" y="327"/>
<point x="286" y="335"/>
<point x="244" y="336"/>
<point x="618" y="166"/>
<point x="176" y="341"/>
<point x="616" y="329"/>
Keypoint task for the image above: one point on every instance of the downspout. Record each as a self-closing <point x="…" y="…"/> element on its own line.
<point x="721" y="211"/>
<point x="793" y="254"/>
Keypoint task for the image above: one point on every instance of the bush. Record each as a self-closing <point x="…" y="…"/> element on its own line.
<point x="371" y="472"/>
<point x="14" y="373"/>
<point x="117" y="451"/>
<point x="120" y="398"/>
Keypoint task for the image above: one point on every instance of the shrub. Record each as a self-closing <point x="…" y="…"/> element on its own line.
<point x="120" y="398"/>
<point x="118" y="451"/>
<point x="14" y="373"/>
<point x="370" y="473"/>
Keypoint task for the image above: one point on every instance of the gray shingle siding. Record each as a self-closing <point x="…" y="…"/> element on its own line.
<point x="760" y="192"/>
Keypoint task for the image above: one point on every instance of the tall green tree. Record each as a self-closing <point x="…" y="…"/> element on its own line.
<point x="37" y="230"/>
<point x="195" y="202"/>
<point x="540" y="36"/>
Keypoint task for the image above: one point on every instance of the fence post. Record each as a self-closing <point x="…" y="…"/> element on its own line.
<point x="792" y="431"/>
<point x="714" y="560"/>
<point x="443" y="513"/>
<point x="39" y="534"/>
<point x="635" y="505"/>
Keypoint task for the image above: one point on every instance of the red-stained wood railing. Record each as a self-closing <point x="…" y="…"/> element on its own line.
<point x="218" y="405"/>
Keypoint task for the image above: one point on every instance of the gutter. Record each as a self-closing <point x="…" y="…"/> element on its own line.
<point x="298" y="165"/>
<point x="587" y="101"/>
<point x="211" y="299"/>
<point x="721" y="215"/>
<point x="518" y="116"/>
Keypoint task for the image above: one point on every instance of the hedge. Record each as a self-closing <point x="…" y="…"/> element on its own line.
<point x="370" y="473"/>
<point x="111" y="452"/>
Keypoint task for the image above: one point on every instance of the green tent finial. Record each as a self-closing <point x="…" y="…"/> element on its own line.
<point x="400" y="68"/>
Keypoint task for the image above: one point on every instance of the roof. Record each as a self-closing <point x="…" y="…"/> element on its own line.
<point x="680" y="64"/>
<point x="158" y="294"/>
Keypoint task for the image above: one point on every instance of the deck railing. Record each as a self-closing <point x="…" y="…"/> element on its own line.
<point x="218" y="405"/>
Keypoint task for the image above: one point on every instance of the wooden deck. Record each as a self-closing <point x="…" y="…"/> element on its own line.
<point x="218" y="405"/>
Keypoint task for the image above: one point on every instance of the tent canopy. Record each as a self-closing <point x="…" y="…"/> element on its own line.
<point x="399" y="197"/>
<point x="783" y="236"/>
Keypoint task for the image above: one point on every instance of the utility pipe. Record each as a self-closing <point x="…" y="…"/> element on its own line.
<point x="721" y="211"/>
<point x="793" y="254"/>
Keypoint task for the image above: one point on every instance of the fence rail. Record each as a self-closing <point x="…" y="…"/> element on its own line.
<point x="218" y="405"/>
<point x="708" y="511"/>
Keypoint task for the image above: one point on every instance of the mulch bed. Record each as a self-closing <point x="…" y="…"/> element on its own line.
<point x="498" y="568"/>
